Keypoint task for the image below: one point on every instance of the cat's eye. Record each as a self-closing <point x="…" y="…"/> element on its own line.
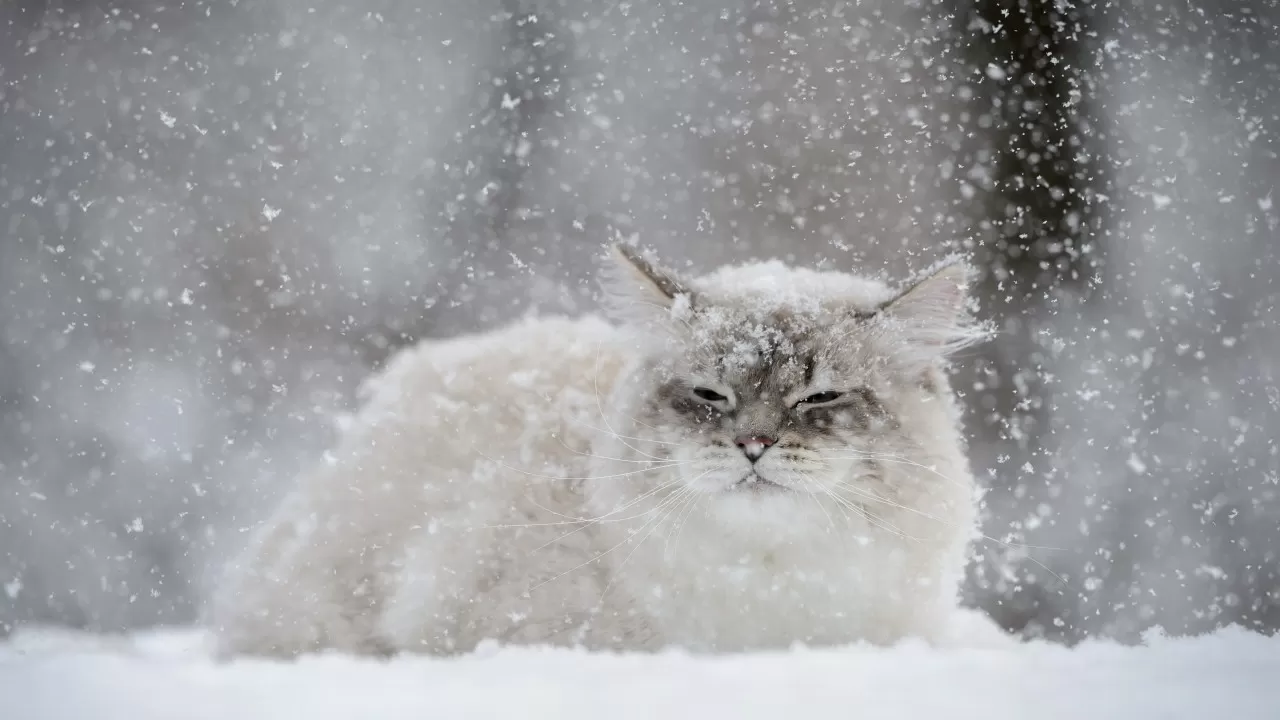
<point x="822" y="397"/>
<point x="709" y="395"/>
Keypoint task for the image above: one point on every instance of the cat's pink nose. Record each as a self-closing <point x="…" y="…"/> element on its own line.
<point x="753" y="446"/>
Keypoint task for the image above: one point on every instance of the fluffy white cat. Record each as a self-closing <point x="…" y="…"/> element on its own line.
<point x="759" y="457"/>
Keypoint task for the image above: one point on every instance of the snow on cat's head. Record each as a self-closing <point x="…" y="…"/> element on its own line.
<point x="765" y="384"/>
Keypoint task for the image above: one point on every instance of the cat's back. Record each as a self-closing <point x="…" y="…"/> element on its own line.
<point x="461" y="433"/>
<point x="478" y="430"/>
<point x="499" y="394"/>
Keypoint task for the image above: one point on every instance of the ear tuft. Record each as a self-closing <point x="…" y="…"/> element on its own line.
<point x="934" y="311"/>
<point x="638" y="288"/>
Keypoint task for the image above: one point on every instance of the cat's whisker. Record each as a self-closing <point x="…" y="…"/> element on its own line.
<point x="665" y="502"/>
<point x="582" y="522"/>
<point x="867" y="494"/>
<point x="595" y="386"/>
<point x="879" y="521"/>
<point x="681" y="497"/>
<point x="1003" y="543"/>
<point x="638" y="421"/>
<point x="866" y="514"/>
<point x="857" y="510"/>
<point x="894" y="458"/>
<point x="589" y="426"/>
<point x="605" y="457"/>
<point x="889" y="457"/>
<point x="568" y="519"/>
<point x="843" y="505"/>
<point x="818" y="501"/>
<point x="684" y="501"/>
<point x="844" y="508"/>
<point x="607" y="517"/>
<point x="512" y="468"/>
<point x="681" y="521"/>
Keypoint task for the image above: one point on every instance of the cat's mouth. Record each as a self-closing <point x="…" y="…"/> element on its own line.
<point x="752" y="482"/>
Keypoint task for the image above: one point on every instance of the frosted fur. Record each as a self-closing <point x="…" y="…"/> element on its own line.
<point x="561" y="481"/>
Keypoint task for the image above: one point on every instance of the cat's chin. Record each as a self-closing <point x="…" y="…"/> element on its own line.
<point x="761" y="516"/>
<point x="779" y="505"/>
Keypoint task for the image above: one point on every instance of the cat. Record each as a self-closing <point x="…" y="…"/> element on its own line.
<point x="755" y="458"/>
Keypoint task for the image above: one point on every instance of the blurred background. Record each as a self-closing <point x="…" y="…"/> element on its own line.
<point x="217" y="216"/>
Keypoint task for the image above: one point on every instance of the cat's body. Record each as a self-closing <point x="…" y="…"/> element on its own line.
<point x="576" y="482"/>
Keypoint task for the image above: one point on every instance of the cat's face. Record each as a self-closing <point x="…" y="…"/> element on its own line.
<point x="774" y="404"/>
<point x="769" y="389"/>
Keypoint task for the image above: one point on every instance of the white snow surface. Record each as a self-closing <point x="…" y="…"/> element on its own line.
<point x="50" y="675"/>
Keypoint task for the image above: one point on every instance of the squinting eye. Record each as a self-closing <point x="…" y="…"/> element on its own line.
<point x="709" y="395"/>
<point x="822" y="397"/>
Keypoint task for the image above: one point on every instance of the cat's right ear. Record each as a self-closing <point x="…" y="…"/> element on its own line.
<point x="933" y="313"/>
<point x="640" y="290"/>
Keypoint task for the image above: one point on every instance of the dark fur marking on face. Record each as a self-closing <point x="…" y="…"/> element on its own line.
<point x="928" y="382"/>
<point x="826" y="419"/>
<point x="675" y="395"/>
<point x="869" y="402"/>
<point x="810" y="365"/>
<point x="698" y="411"/>
<point x="860" y="404"/>
<point x="758" y="375"/>
<point x="876" y="409"/>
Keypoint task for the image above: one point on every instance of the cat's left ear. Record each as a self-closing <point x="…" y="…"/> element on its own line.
<point x="639" y="289"/>
<point x="934" y="312"/>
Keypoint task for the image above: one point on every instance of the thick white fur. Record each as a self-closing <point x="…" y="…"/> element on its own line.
<point x="498" y="486"/>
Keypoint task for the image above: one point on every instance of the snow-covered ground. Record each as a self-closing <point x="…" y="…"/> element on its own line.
<point x="56" y="676"/>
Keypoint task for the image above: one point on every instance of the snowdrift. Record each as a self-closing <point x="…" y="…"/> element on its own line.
<point x="56" y="675"/>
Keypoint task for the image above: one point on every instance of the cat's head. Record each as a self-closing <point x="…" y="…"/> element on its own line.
<point x="765" y="384"/>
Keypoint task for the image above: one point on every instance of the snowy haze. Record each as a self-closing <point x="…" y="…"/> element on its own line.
<point x="218" y="216"/>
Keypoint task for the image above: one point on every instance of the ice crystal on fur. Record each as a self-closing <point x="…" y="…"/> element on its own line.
<point x="753" y="458"/>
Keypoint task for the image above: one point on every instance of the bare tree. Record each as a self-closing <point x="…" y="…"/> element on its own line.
<point x="1034" y="196"/>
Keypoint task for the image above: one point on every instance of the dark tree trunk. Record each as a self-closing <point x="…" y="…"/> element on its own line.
<point x="1035" y="221"/>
